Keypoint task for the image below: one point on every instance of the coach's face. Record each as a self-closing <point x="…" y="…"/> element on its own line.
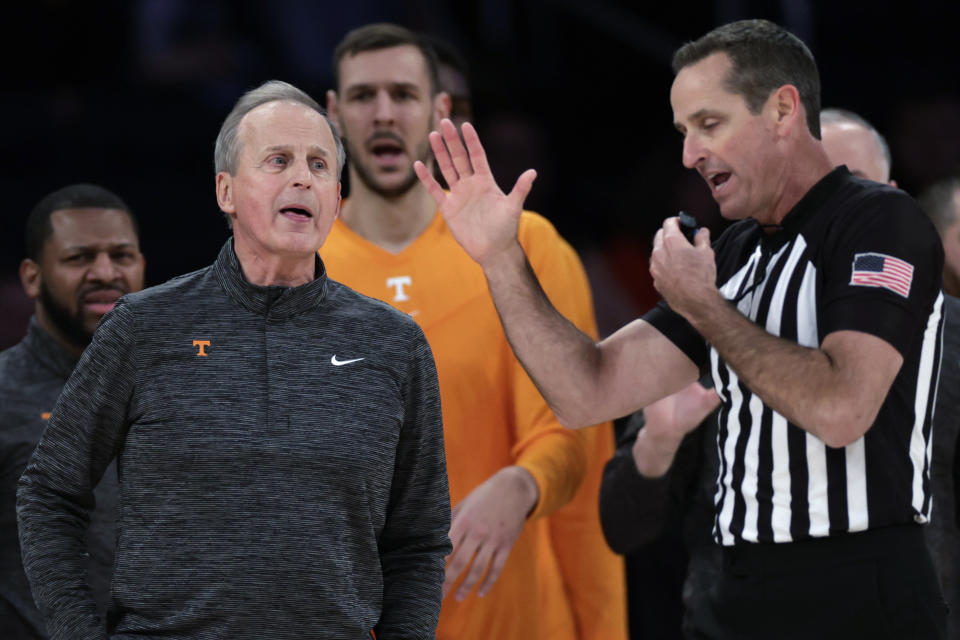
<point x="733" y="149"/>
<point x="285" y="193"/>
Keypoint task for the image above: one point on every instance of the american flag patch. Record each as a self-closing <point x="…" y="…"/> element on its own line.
<point x="879" y="270"/>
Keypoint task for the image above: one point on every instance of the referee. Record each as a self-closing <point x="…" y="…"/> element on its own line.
<point x="818" y="314"/>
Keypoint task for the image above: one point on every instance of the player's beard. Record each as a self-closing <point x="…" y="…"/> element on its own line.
<point x="367" y="176"/>
<point x="69" y="325"/>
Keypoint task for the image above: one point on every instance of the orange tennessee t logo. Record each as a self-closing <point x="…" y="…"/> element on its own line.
<point x="202" y="344"/>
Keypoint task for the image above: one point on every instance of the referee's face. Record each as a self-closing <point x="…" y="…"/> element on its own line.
<point x="733" y="149"/>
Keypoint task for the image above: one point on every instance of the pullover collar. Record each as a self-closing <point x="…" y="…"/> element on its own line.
<point x="45" y="348"/>
<point x="274" y="300"/>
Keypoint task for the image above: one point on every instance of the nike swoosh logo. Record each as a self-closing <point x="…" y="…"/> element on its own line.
<point x="340" y="363"/>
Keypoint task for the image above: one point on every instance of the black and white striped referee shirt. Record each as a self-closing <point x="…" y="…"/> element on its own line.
<point x="851" y="255"/>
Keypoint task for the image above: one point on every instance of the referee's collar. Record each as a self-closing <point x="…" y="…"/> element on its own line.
<point x="811" y="202"/>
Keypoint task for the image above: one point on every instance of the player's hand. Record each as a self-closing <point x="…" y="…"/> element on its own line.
<point x="685" y="274"/>
<point x="485" y="526"/>
<point x="480" y="216"/>
<point x="666" y="422"/>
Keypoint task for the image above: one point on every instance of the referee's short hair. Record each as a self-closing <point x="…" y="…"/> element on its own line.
<point x="75" y="196"/>
<point x="763" y="57"/>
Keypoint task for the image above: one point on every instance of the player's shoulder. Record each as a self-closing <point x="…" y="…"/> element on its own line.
<point x="364" y="310"/>
<point x="534" y="226"/>
<point x="541" y="240"/>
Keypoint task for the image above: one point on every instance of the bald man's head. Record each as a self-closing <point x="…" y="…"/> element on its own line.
<point x="852" y="141"/>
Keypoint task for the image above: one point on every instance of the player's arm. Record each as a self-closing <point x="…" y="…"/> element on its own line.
<point x="834" y="391"/>
<point x="584" y="382"/>
<point x="549" y="460"/>
<point x="593" y="576"/>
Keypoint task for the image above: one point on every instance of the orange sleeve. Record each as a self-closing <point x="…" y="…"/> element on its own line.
<point x="554" y="455"/>
<point x="593" y="575"/>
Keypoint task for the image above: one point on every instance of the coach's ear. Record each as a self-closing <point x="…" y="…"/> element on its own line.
<point x="225" y="192"/>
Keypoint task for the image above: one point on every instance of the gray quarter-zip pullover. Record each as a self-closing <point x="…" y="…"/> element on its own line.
<point x="281" y="465"/>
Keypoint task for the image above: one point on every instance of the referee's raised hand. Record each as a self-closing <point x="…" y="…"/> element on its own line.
<point x="481" y="217"/>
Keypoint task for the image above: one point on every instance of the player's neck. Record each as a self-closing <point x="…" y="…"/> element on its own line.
<point x="390" y="223"/>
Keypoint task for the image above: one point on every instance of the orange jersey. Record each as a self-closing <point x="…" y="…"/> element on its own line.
<point x="560" y="580"/>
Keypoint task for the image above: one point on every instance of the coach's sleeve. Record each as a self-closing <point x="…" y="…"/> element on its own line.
<point x="415" y="542"/>
<point x="884" y="270"/>
<point x="55" y="493"/>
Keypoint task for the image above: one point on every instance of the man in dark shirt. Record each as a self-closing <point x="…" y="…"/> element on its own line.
<point x="82" y="254"/>
<point x="278" y="436"/>
<point x="941" y="202"/>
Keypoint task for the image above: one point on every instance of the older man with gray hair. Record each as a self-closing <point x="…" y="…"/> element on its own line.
<point x="278" y="436"/>
<point x="850" y="140"/>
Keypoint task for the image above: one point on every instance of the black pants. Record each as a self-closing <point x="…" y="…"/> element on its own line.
<point x="874" y="585"/>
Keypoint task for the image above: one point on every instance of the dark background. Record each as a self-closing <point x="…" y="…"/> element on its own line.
<point x="130" y="95"/>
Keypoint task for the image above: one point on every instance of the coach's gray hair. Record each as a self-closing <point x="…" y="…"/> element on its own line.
<point x="227" y="150"/>
<point x="837" y="116"/>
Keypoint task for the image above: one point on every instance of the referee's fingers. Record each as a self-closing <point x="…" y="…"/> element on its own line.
<point x="702" y="239"/>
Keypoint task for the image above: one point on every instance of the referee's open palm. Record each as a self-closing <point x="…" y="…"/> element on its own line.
<point x="480" y="216"/>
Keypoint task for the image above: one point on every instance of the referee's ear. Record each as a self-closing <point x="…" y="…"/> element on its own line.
<point x="786" y="110"/>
